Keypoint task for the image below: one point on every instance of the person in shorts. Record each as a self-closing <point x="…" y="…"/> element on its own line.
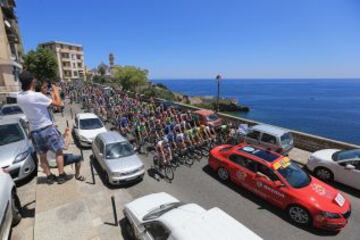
<point x="45" y="136"/>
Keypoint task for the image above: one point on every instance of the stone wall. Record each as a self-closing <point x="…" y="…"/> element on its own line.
<point x="302" y="140"/>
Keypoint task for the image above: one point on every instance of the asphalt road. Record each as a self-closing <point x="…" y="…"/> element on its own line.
<point x="200" y="185"/>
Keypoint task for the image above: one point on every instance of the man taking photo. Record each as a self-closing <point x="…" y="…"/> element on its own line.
<point x="44" y="134"/>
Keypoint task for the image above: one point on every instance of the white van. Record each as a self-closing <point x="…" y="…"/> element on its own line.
<point x="271" y="137"/>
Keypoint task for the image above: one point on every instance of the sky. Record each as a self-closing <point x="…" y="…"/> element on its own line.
<point x="201" y="38"/>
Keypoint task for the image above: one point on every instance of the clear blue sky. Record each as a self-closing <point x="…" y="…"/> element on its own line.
<point x="200" y="38"/>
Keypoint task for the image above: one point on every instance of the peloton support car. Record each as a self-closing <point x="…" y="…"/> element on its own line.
<point x="336" y="165"/>
<point x="9" y="205"/>
<point x="208" y="117"/>
<point x="270" y="137"/>
<point x="117" y="158"/>
<point x="277" y="179"/>
<point x="160" y="216"/>
<point x="87" y="126"/>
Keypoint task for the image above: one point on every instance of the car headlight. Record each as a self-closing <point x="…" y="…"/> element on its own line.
<point x="330" y="215"/>
<point x="84" y="139"/>
<point x="22" y="156"/>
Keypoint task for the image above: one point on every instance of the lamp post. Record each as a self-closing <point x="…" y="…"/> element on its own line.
<point x="218" y="78"/>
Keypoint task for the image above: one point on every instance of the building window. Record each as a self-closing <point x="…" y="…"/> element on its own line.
<point x="79" y="65"/>
<point x="72" y="56"/>
<point x="78" y="56"/>
<point x="70" y="47"/>
<point x="75" y="73"/>
<point x="74" y="65"/>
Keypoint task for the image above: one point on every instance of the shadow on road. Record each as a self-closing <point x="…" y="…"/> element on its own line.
<point x="265" y="205"/>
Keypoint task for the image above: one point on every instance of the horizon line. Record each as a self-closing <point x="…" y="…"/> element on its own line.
<point x="272" y="78"/>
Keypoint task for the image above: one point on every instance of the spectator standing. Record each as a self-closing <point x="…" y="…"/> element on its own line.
<point x="44" y="134"/>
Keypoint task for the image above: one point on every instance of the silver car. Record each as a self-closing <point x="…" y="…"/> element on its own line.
<point x="12" y="110"/>
<point x="271" y="137"/>
<point x="9" y="205"/>
<point x="117" y="158"/>
<point x="17" y="156"/>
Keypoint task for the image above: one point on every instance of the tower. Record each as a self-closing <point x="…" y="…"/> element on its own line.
<point x="111" y="59"/>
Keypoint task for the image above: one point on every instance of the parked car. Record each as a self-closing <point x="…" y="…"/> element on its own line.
<point x="17" y="154"/>
<point x="208" y="117"/>
<point x="87" y="126"/>
<point x="117" y="158"/>
<point x="9" y="205"/>
<point x="13" y="110"/>
<point x="336" y="165"/>
<point x="161" y="216"/>
<point x="280" y="181"/>
<point x="270" y="137"/>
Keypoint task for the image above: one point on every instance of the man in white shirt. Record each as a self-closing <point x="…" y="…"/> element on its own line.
<point x="44" y="134"/>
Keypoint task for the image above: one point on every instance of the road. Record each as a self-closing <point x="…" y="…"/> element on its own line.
<point x="199" y="184"/>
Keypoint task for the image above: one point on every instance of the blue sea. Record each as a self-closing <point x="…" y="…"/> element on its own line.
<point x="329" y="108"/>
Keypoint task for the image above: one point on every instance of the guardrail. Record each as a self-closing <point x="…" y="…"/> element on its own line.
<point x="305" y="141"/>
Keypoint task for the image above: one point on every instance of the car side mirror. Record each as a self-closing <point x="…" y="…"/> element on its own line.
<point x="349" y="167"/>
<point x="279" y="184"/>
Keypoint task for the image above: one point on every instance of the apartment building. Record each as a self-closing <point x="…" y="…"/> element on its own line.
<point x="70" y="58"/>
<point x="11" y="50"/>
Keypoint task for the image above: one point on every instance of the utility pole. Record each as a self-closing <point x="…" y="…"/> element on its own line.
<point x="218" y="78"/>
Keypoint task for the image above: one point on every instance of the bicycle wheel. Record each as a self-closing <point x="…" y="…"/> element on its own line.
<point x="204" y="152"/>
<point x="189" y="161"/>
<point x="169" y="173"/>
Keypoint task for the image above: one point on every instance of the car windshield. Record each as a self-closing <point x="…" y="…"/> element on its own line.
<point x="10" y="133"/>
<point x="212" y="117"/>
<point x="90" y="123"/>
<point x="11" y="110"/>
<point x="347" y="154"/>
<point x="295" y="176"/>
<point x="286" y="139"/>
<point x="162" y="210"/>
<point x="119" y="150"/>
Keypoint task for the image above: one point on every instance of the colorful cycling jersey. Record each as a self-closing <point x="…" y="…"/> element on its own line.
<point x="179" y="137"/>
<point x="170" y="137"/>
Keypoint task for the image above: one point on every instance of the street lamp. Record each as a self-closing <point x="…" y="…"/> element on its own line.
<point x="218" y="78"/>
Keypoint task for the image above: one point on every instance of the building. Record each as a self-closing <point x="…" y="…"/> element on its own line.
<point x="11" y="50"/>
<point x="70" y="58"/>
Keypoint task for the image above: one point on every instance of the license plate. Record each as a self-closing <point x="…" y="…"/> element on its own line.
<point x="340" y="200"/>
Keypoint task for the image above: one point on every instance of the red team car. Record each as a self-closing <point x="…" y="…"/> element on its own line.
<point x="307" y="200"/>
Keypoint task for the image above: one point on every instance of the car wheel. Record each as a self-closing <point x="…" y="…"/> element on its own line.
<point x="223" y="174"/>
<point x="324" y="174"/>
<point x="15" y="208"/>
<point x="107" y="179"/>
<point x="299" y="215"/>
<point x="129" y="230"/>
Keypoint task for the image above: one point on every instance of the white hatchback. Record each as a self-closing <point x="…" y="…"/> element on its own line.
<point x="336" y="165"/>
<point x="87" y="127"/>
<point x="161" y="216"/>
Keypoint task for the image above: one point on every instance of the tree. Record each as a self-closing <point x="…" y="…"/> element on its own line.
<point x="101" y="70"/>
<point x="42" y="63"/>
<point x="130" y="77"/>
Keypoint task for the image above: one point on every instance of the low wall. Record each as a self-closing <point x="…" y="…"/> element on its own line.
<point x="302" y="140"/>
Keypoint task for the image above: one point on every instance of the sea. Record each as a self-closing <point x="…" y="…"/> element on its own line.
<point x="324" y="107"/>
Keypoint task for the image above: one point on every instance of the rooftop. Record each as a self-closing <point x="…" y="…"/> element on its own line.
<point x="59" y="42"/>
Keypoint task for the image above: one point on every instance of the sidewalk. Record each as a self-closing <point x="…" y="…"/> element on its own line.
<point x="77" y="210"/>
